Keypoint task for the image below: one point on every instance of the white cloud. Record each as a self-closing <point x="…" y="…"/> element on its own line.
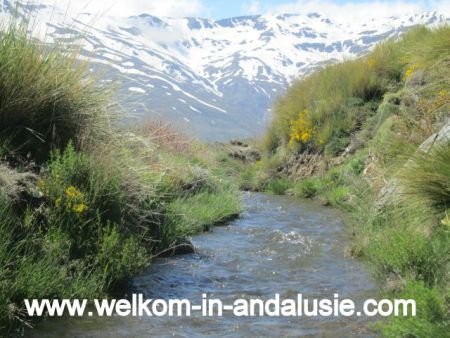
<point x="181" y="8"/>
<point x="442" y="6"/>
<point x="171" y="8"/>
<point x="362" y="10"/>
<point x="251" y="8"/>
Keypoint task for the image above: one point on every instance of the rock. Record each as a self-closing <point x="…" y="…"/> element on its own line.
<point x="17" y="186"/>
<point x="392" y="190"/>
<point x="355" y="144"/>
<point x="238" y="143"/>
<point x="388" y="194"/>
<point x="304" y="165"/>
<point x="245" y="154"/>
<point x="416" y="79"/>
<point x="437" y="139"/>
<point x="239" y="150"/>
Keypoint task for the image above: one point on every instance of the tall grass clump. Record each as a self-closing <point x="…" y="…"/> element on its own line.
<point x="427" y="178"/>
<point x="46" y="97"/>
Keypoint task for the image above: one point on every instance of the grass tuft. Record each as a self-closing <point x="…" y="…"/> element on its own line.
<point x="46" y="97"/>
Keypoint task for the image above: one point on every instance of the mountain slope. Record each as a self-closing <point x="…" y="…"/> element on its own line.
<point x="217" y="79"/>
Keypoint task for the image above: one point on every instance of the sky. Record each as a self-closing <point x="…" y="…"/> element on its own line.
<point x="217" y="9"/>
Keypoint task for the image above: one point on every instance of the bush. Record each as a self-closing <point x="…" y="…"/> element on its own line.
<point x="83" y="197"/>
<point x="45" y="97"/>
<point x="308" y="188"/>
<point x="200" y="212"/>
<point x="336" y="196"/>
<point x="248" y="178"/>
<point x="277" y="186"/>
<point x="36" y="264"/>
<point x="357" y="165"/>
<point x="337" y="144"/>
<point x="119" y="256"/>
<point x="409" y="253"/>
<point x="429" y="320"/>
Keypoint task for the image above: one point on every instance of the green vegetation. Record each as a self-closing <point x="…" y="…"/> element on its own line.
<point x="322" y="111"/>
<point x="353" y="136"/>
<point x="203" y="210"/>
<point x="85" y="205"/>
<point x="45" y="98"/>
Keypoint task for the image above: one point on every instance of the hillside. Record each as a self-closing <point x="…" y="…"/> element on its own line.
<point x="372" y="136"/>
<point x="216" y="78"/>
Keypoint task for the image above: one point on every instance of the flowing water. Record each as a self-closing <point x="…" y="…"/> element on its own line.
<point x="279" y="245"/>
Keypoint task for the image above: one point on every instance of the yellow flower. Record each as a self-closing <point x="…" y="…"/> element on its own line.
<point x="58" y="202"/>
<point x="371" y="63"/>
<point x="72" y="192"/>
<point x="411" y="69"/>
<point x="301" y="129"/>
<point x="79" y="208"/>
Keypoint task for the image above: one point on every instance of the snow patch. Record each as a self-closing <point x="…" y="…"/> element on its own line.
<point x="137" y="90"/>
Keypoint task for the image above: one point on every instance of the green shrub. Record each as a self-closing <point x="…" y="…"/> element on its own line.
<point x="336" y="196"/>
<point x="248" y="179"/>
<point x="33" y="266"/>
<point x="357" y="165"/>
<point x="119" y="257"/>
<point x="308" y="188"/>
<point x="278" y="186"/>
<point x="82" y="197"/>
<point x="405" y="251"/>
<point x="200" y="212"/>
<point x="46" y="99"/>
<point x="430" y="319"/>
<point x="337" y="144"/>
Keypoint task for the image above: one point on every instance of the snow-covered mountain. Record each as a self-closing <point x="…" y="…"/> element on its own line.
<point x="217" y="79"/>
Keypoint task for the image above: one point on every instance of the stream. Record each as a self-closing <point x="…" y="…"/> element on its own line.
<point x="279" y="245"/>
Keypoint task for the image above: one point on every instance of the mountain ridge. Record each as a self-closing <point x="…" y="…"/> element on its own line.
<point x="214" y="78"/>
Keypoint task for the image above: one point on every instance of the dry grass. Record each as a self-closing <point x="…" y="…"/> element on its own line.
<point x="166" y="137"/>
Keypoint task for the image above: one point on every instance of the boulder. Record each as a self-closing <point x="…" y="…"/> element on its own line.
<point x="439" y="138"/>
<point x="16" y="186"/>
<point x="305" y="165"/>
<point x="392" y="190"/>
<point x="244" y="153"/>
<point x="238" y="143"/>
